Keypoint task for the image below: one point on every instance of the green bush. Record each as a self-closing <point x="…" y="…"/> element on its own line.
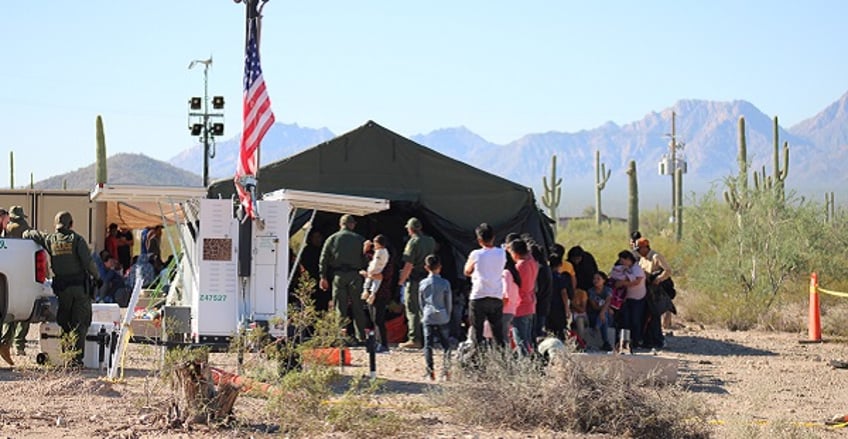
<point x="744" y="265"/>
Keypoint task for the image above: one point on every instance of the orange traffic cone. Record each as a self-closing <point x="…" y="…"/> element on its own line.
<point x="814" y="319"/>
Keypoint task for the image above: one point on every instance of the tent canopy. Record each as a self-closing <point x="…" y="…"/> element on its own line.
<point x="137" y="206"/>
<point x="451" y="198"/>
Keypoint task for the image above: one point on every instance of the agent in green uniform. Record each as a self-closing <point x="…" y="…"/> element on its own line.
<point x="72" y="265"/>
<point x="342" y="256"/>
<point x="417" y="248"/>
<point x="18" y="330"/>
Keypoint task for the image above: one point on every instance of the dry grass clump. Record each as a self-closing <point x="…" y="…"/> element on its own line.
<point x="565" y="396"/>
<point x="744" y="428"/>
<point x="306" y="405"/>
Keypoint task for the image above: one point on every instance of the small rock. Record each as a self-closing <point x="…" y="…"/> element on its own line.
<point x="60" y="421"/>
<point x="705" y="362"/>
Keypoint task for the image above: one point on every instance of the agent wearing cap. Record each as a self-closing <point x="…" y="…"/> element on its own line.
<point x="17" y="223"/>
<point x="657" y="268"/>
<point x="17" y="331"/>
<point x="413" y="272"/>
<point x="342" y="257"/>
<point x="72" y="265"/>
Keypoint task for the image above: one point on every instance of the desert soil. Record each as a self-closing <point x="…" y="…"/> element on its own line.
<point x="747" y="378"/>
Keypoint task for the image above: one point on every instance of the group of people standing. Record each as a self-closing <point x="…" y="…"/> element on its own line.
<point x="520" y="292"/>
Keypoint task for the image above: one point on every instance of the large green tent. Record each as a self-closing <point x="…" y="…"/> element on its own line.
<point x="450" y="197"/>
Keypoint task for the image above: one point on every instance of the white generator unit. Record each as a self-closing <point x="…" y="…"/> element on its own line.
<point x="218" y="297"/>
<point x="104" y="323"/>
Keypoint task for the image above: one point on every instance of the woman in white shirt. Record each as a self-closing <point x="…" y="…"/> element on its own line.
<point x="633" y="310"/>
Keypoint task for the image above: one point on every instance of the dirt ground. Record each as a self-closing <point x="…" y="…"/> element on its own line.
<point x="749" y="379"/>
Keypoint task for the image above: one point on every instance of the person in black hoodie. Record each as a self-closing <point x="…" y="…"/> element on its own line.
<point x="585" y="267"/>
<point x="544" y="290"/>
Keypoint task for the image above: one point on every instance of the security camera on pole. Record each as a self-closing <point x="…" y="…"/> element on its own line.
<point x="204" y="124"/>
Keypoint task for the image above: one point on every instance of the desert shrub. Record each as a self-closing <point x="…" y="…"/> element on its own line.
<point x="747" y="263"/>
<point x="304" y="398"/>
<point x="566" y="396"/>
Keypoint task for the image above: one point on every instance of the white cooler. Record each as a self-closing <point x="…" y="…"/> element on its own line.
<point x="103" y="315"/>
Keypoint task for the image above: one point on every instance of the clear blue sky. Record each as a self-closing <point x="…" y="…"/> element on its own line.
<point x="502" y="69"/>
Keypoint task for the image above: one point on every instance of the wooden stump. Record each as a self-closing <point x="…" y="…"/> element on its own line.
<point x="198" y="400"/>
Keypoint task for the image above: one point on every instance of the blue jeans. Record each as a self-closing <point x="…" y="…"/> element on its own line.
<point x="634" y="319"/>
<point x="522" y="333"/>
<point x="595" y="321"/>
<point x="431" y="332"/>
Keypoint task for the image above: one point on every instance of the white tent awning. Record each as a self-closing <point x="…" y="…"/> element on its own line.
<point x="329" y="202"/>
<point x="136" y="193"/>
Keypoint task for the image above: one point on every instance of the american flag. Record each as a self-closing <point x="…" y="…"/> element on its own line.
<point x="258" y="118"/>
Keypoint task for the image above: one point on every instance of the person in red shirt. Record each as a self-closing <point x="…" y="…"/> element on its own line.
<point x="112" y="240"/>
<point x="528" y="269"/>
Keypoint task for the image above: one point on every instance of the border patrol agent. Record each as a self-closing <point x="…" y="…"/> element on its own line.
<point x="72" y="265"/>
<point x="341" y="259"/>
<point x="413" y="272"/>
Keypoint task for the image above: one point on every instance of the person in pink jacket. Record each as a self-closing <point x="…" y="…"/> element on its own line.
<point x="511" y="282"/>
<point x="528" y="269"/>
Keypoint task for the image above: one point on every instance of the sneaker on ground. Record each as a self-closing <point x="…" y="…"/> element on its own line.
<point x="410" y="344"/>
<point x="430" y="376"/>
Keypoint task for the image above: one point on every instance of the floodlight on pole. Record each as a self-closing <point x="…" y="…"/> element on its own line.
<point x="203" y="126"/>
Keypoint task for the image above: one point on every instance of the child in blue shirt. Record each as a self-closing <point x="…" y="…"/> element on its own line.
<point x="600" y="314"/>
<point x="435" y="301"/>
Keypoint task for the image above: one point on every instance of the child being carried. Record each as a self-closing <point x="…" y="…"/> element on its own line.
<point x="374" y="273"/>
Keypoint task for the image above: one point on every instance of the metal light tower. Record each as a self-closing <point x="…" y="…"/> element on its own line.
<point x="670" y="163"/>
<point x="204" y="124"/>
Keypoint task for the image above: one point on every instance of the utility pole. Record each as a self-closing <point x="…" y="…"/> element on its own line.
<point x="207" y="127"/>
<point x="673" y="147"/>
<point x="669" y="164"/>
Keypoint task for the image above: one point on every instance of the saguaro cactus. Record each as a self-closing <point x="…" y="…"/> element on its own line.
<point x="553" y="193"/>
<point x="780" y="174"/>
<point x="736" y="194"/>
<point x="776" y="182"/>
<point x="602" y="175"/>
<point x="100" y="177"/>
<point x="829" y="208"/>
<point x="11" y="169"/>
<point x="632" y="198"/>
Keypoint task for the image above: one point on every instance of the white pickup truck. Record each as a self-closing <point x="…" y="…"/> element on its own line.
<point x="26" y="294"/>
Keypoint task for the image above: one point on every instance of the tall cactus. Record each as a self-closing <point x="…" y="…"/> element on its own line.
<point x="779" y="176"/>
<point x="678" y="215"/>
<point x="632" y="198"/>
<point x="602" y="175"/>
<point x="736" y="194"/>
<point x="31" y="181"/>
<point x="100" y="177"/>
<point x="742" y="156"/>
<point x="11" y="169"/>
<point x="764" y="182"/>
<point x="829" y="208"/>
<point x="553" y="194"/>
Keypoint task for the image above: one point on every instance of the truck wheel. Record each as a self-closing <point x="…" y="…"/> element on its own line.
<point x="41" y="358"/>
